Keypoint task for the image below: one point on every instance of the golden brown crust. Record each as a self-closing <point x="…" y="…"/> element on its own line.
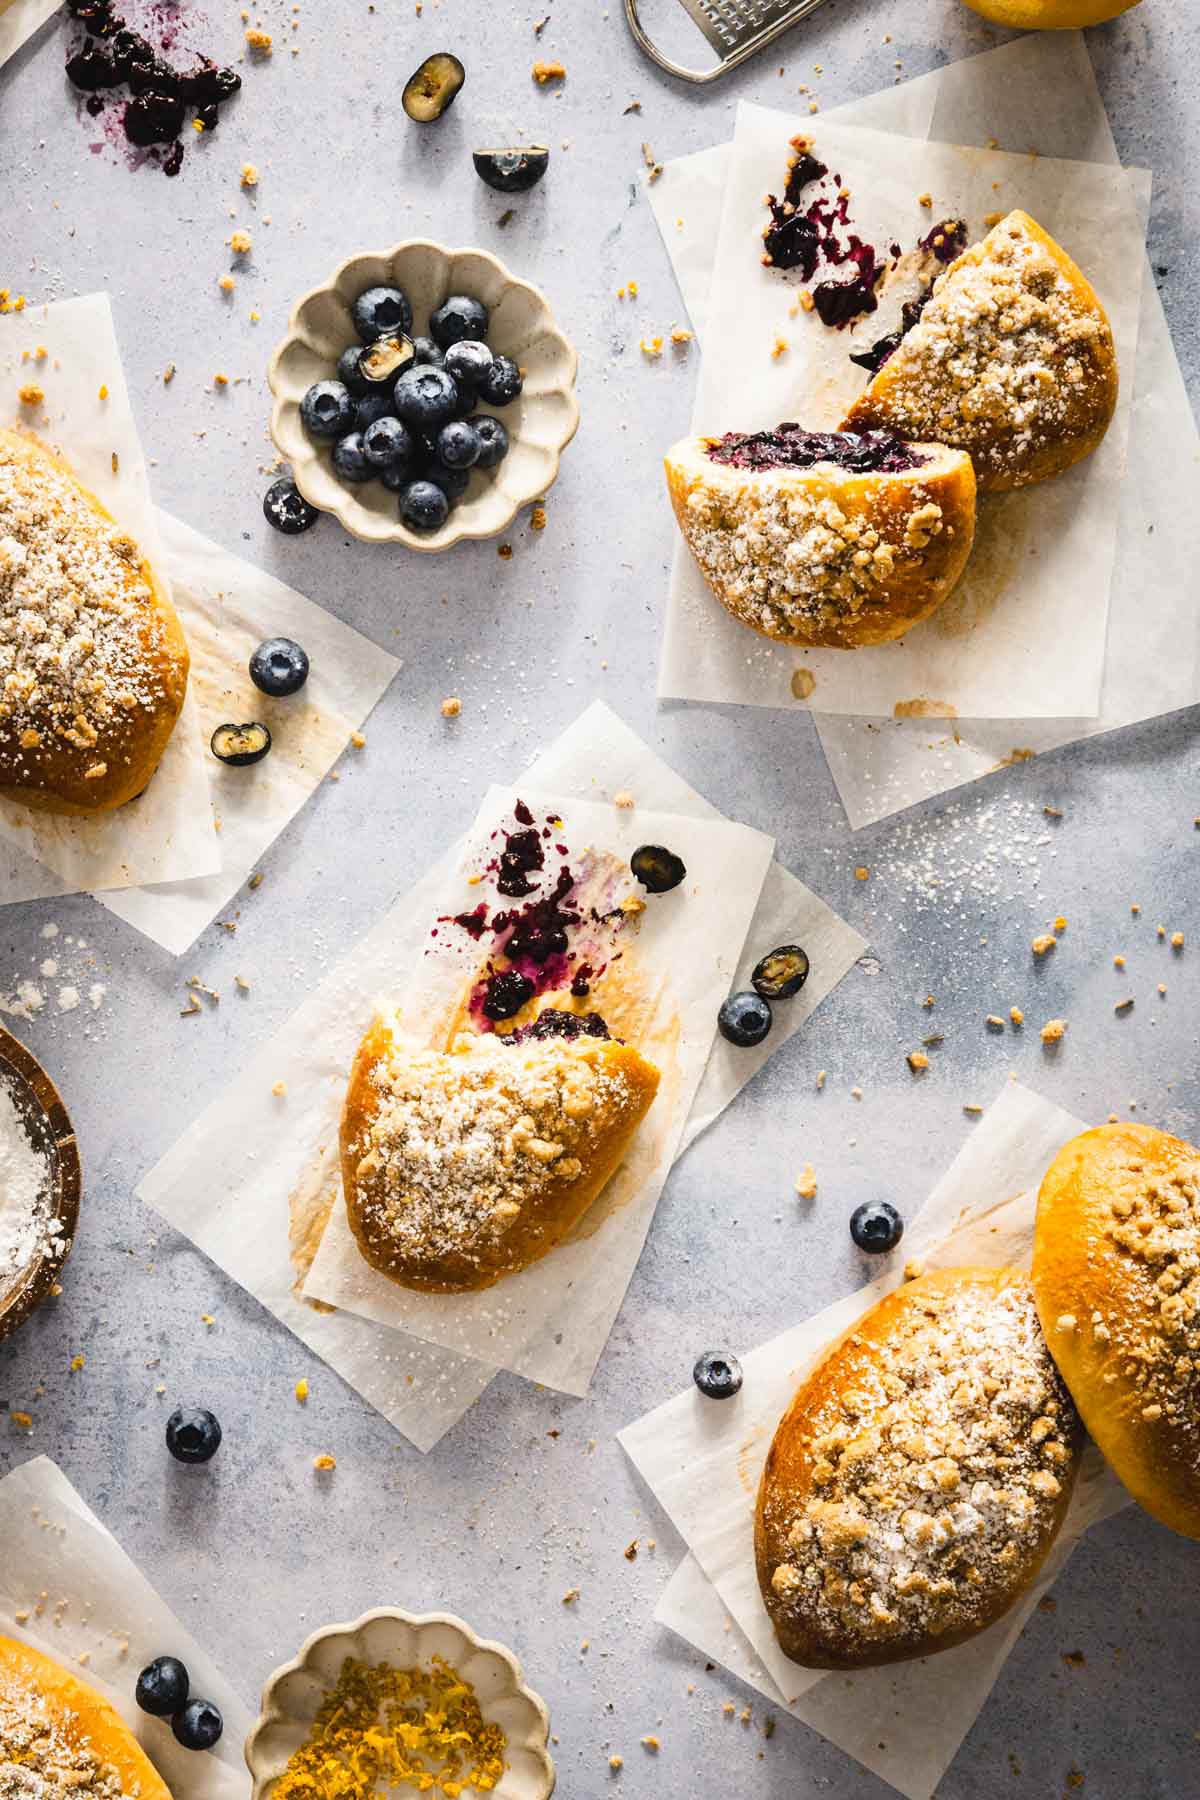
<point x="919" y="1476"/>
<point x="462" y="1166"/>
<point x="1116" y="1271"/>
<point x="90" y="697"/>
<point x="78" y="1718"/>
<point x="822" y="556"/>
<point x="1011" y="360"/>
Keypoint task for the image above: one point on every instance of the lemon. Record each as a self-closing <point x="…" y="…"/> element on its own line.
<point x="1049" y="15"/>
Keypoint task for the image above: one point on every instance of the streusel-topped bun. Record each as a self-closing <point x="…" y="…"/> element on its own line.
<point x="1116" y="1271"/>
<point x="919" y="1477"/>
<point x="61" y="1740"/>
<point x="826" y="539"/>
<point x="93" y="660"/>
<point x="1012" y="360"/>
<point x="461" y="1166"/>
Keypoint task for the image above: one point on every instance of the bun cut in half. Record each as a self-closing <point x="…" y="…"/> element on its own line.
<point x="1012" y="360"/>
<point x="827" y="539"/>
<point x="919" y="1476"/>
<point x="60" y="1736"/>
<point x="1116" y="1272"/>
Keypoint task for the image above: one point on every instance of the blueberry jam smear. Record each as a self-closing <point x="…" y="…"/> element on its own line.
<point x="946" y="241"/>
<point x="113" y="56"/>
<point x="554" y="1023"/>
<point x="789" y="447"/>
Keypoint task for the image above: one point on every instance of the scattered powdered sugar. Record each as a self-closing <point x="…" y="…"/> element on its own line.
<point x="24" y="1185"/>
<point x="973" y="849"/>
<point x="72" y="963"/>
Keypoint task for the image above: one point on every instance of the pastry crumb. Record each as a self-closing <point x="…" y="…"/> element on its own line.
<point x="1053" y="1031"/>
<point x="1042" y="945"/>
<point x="543" y="72"/>
<point x="249" y="175"/>
<point x="260" y="42"/>
<point x="324" y="1463"/>
<point x="803" y="683"/>
<point x="302" y="1391"/>
<point x="451" y="706"/>
<point x="279" y="1089"/>
<point x="241" y="243"/>
<point x="1016" y="1015"/>
<point x="624" y="799"/>
<point x="806" y="1183"/>
<point x="31" y="394"/>
<point x="537" y="518"/>
<point x="917" y="1061"/>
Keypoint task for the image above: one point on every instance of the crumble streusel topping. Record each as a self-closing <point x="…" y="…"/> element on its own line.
<point x="465" y="1140"/>
<point x="1155" y="1222"/>
<point x="934" y="1480"/>
<point x="37" y="1759"/>
<point x="77" y="618"/>
<point x="779" y="556"/>
<point x="1003" y="355"/>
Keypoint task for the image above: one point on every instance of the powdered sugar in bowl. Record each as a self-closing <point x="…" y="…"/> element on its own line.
<point x="40" y="1183"/>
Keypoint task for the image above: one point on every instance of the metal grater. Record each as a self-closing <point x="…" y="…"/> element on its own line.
<point x="734" y="28"/>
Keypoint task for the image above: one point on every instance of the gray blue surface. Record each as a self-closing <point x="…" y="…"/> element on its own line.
<point x="502" y="1519"/>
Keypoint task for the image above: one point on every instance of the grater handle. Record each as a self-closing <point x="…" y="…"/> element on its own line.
<point x="702" y="76"/>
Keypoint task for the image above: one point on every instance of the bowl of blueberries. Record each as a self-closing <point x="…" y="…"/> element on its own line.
<point x="422" y="395"/>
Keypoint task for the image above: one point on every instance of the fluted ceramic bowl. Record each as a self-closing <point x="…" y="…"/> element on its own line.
<point x="540" y="424"/>
<point x="40" y="1109"/>
<point x="293" y="1693"/>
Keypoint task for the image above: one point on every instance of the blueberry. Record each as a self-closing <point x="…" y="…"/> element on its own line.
<point x="380" y="363"/>
<point x="193" y="1434"/>
<point x="198" y="1725"/>
<point x="717" y="1375"/>
<point x="380" y="312"/>
<point x="423" y="507"/>
<point x="350" y="459"/>
<point x="348" y="371"/>
<point x="512" y="171"/>
<point x="162" y="1687"/>
<point x="425" y="397"/>
<point x="453" y="482"/>
<point x="506" y="994"/>
<point x="876" y="1226"/>
<point x="327" y="410"/>
<point x="657" y="868"/>
<point x="240" y="745"/>
<point x="458" y="445"/>
<point x="494" y="439"/>
<point x="279" y="667"/>
<point x="374" y="406"/>
<point x="468" y="399"/>
<point x="467" y="361"/>
<point x="501" y="382"/>
<point x="745" y="1019"/>
<point x="285" y="507"/>
<point x="426" y="351"/>
<point x="395" y="476"/>
<point x="460" y="316"/>
<point x="781" y="973"/>
<point x="433" y="88"/>
<point x="387" y="441"/>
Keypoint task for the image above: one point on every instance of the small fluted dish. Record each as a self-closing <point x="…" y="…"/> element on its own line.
<point x="40" y="1109"/>
<point x="293" y="1694"/>
<point x="540" y="424"/>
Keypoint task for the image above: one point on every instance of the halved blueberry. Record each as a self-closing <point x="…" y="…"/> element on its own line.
<point x="876" y="1227"/>
<point x="285" y="507"/>
<point x="198" y="1725"/>
<point x="512" y="171"/>
<point x="387" y="441"/>
<point x="279" y="667"/>
<point x="423" y="506"/>
<point x="327" y="409"/>
<point x="380" y="362"/>
<point x="162" y="1687"/>
<point x="717" y="1374"/>
<point x="350" y="459"/>
<point x="781" y="973"/>
<point x="493" y="440"/>
<point x="193" y="1433"/>
<point x="433" y="88"/>
<point x="745" y="1019"/>
<point x="501" y="382"/>
<point x="458" y="445"/>
<point x="425" y="397"/>
<point x="238" y="746"/>
<point x="657" y="868"/>
<point x="459" y="316"/>
<point x="382" y="312"/>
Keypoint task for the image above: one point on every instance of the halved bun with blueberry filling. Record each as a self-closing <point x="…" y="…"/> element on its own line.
<point x="919" y="1477"/>
<point x="1012" y="359"/>
<point x="461" y="1166"/>
<point x="832" y="540"/>
<point x="58" y="1736"/>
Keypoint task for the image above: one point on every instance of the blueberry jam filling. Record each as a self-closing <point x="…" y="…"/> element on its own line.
<point x="819" y="236"/>
<point x="113" y="55"/>
<point x="523" y="856"/>
<point x="788" y="447"/>
<point x="505" y="994"/>
<point x="556" y="1024"/>
<point x="944" y="242"/>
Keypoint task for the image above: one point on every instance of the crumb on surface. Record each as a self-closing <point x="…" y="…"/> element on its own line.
<point x="226" y="283"/>
<point x="357" y="739"/>
<point x="260" y="42"/>
<point x="1016" y="1015"/>
<point x="324" y="1463"/>
<point x="302" y="1390"/>
<point x="806" y="1183"/>
<point x="537" y="518"/>
<point x="31" y="394"/>
<point x="780" y="347"/>
<point x="623" y="798"/>
<point x="241" y="243"/>
<point x="279" y="1089"/>
<point x="917" y="1061"/>
<point x="651" y="346"/>
<point x="1053" y="1030"/>
<point x="543" y="72"/>
<point x="249" y="175"/>
<point x="451" y="706"/>
<point x="1043" y="944"/>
